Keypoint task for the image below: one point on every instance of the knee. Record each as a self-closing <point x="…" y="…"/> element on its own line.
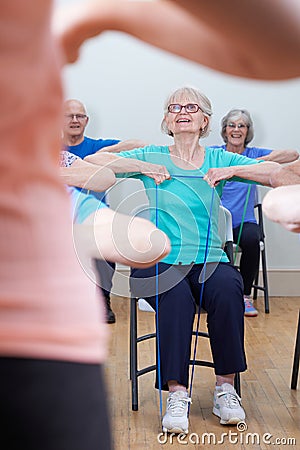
<point x="251" y="242"/>
<point x="227" y="292"/>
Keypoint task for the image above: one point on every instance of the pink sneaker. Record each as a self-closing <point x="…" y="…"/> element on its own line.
<point x="250" y="311"/>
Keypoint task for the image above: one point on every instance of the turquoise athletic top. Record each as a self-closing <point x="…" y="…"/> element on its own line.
<point x="184" y="203"/>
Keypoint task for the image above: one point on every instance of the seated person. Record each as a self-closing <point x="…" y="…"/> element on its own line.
<point x="184" y="210"/>
<point x="237" y="132"/>
<point x="74" y="140"/>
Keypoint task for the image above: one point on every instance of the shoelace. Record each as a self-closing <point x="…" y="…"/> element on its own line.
<point x="177" y="405"/>
<point x="231" y="399"/>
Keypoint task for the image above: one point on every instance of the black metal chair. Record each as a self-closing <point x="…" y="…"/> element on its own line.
<point x="295" y="371"/>
<point x="136" y="372"/>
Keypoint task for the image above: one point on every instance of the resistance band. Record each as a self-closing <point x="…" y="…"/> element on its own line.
<point x="202" y="281"/>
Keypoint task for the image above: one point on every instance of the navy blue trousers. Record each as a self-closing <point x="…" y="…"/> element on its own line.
<point x="105" y="272"/>
<point x="249" y="244"/>
<point x="179" y="293"/>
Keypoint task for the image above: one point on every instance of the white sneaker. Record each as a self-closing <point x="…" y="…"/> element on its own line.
<point x="227" y="405"/>
<point x="175" y="419"/>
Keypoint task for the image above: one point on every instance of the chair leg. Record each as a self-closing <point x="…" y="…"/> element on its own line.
<point x="265" y="287"/>
<point x="237" y="383"/>
<point x="295" y="371"/>
<point x="256" y="281"/>
<point x="133" y="353"/>
<point x="265" y="280"/>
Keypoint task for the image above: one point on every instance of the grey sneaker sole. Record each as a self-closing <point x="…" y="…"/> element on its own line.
<point x="231" y="421"/>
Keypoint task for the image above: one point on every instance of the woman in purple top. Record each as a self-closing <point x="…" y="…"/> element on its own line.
<point x="237" y="132"/>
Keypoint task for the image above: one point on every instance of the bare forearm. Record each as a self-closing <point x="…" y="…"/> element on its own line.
<point x="215" y="34"/>
<point x="257" y="51"/>
<point x="129" y="144"/>
<point x="116" y="163"/>
<point x="119" y="164"/>
<point x="147" y="21"/>
<point x="117" y="237"/>
<point x="260" y="173"/>
<point x="88" y="177"/>
<point x="287" y="175"/>
<point x="281" y="156"/>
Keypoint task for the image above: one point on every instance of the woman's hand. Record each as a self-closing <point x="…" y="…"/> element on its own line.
<point x="214" y="176"/>
<point x="158" y="172"/>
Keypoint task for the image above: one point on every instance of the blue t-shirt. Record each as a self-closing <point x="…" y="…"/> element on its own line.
<point x="88" y="147"/>
<point x="235" y="193"/>
<point x="184" y="203"/>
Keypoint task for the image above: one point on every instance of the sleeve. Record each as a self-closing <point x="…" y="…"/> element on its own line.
<point x="257" y="152"/>
<point x="67" y="158"/>
<point x="263" y="152"/>
<point x="137" y="153"/>
<point x="142" y="154"/>
<point x="102" y="143"/>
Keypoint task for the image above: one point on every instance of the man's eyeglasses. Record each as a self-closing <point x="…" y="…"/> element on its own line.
<point x="75" y="116"/>
<point x="189" y="108"/>
<point x="236" y="125"/>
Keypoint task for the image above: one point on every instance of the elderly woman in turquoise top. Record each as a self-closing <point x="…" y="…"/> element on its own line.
<point x="179" y="180"/>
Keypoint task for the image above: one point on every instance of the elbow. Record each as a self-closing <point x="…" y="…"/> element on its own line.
<point x="294" y="156"/>
<point x="151" y="245"/>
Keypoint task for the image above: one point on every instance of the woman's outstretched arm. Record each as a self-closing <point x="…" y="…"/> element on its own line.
<point x="257" y="39"/>
<point x="117" y="237"/>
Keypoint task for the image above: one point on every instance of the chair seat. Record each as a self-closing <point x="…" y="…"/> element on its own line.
<point x="135" y="372"/>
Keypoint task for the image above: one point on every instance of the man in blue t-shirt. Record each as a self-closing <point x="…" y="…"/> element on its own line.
<point x="74" y="141"/>
<point x="237" y="132"/>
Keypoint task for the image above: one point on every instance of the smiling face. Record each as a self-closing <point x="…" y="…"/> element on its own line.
<point x="236" y="131"/>
<point x="75" y="120"/>
<point x="184" y="115"/>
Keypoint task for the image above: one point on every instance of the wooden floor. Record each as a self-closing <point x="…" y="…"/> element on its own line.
<point x="272" y="408"/>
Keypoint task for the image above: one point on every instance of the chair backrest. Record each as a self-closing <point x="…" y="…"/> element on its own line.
<point x="257" y="196"/>
<point x="260" y="218"/>
<point x="225" y="231"/>
<point x="225" y="225"/>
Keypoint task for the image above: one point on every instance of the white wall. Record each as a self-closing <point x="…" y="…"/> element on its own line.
<point x="124" y="82"/>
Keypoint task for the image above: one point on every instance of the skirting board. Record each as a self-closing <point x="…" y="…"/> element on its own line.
<point x="284" y="282"/>
<point x="281" y="282"/>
